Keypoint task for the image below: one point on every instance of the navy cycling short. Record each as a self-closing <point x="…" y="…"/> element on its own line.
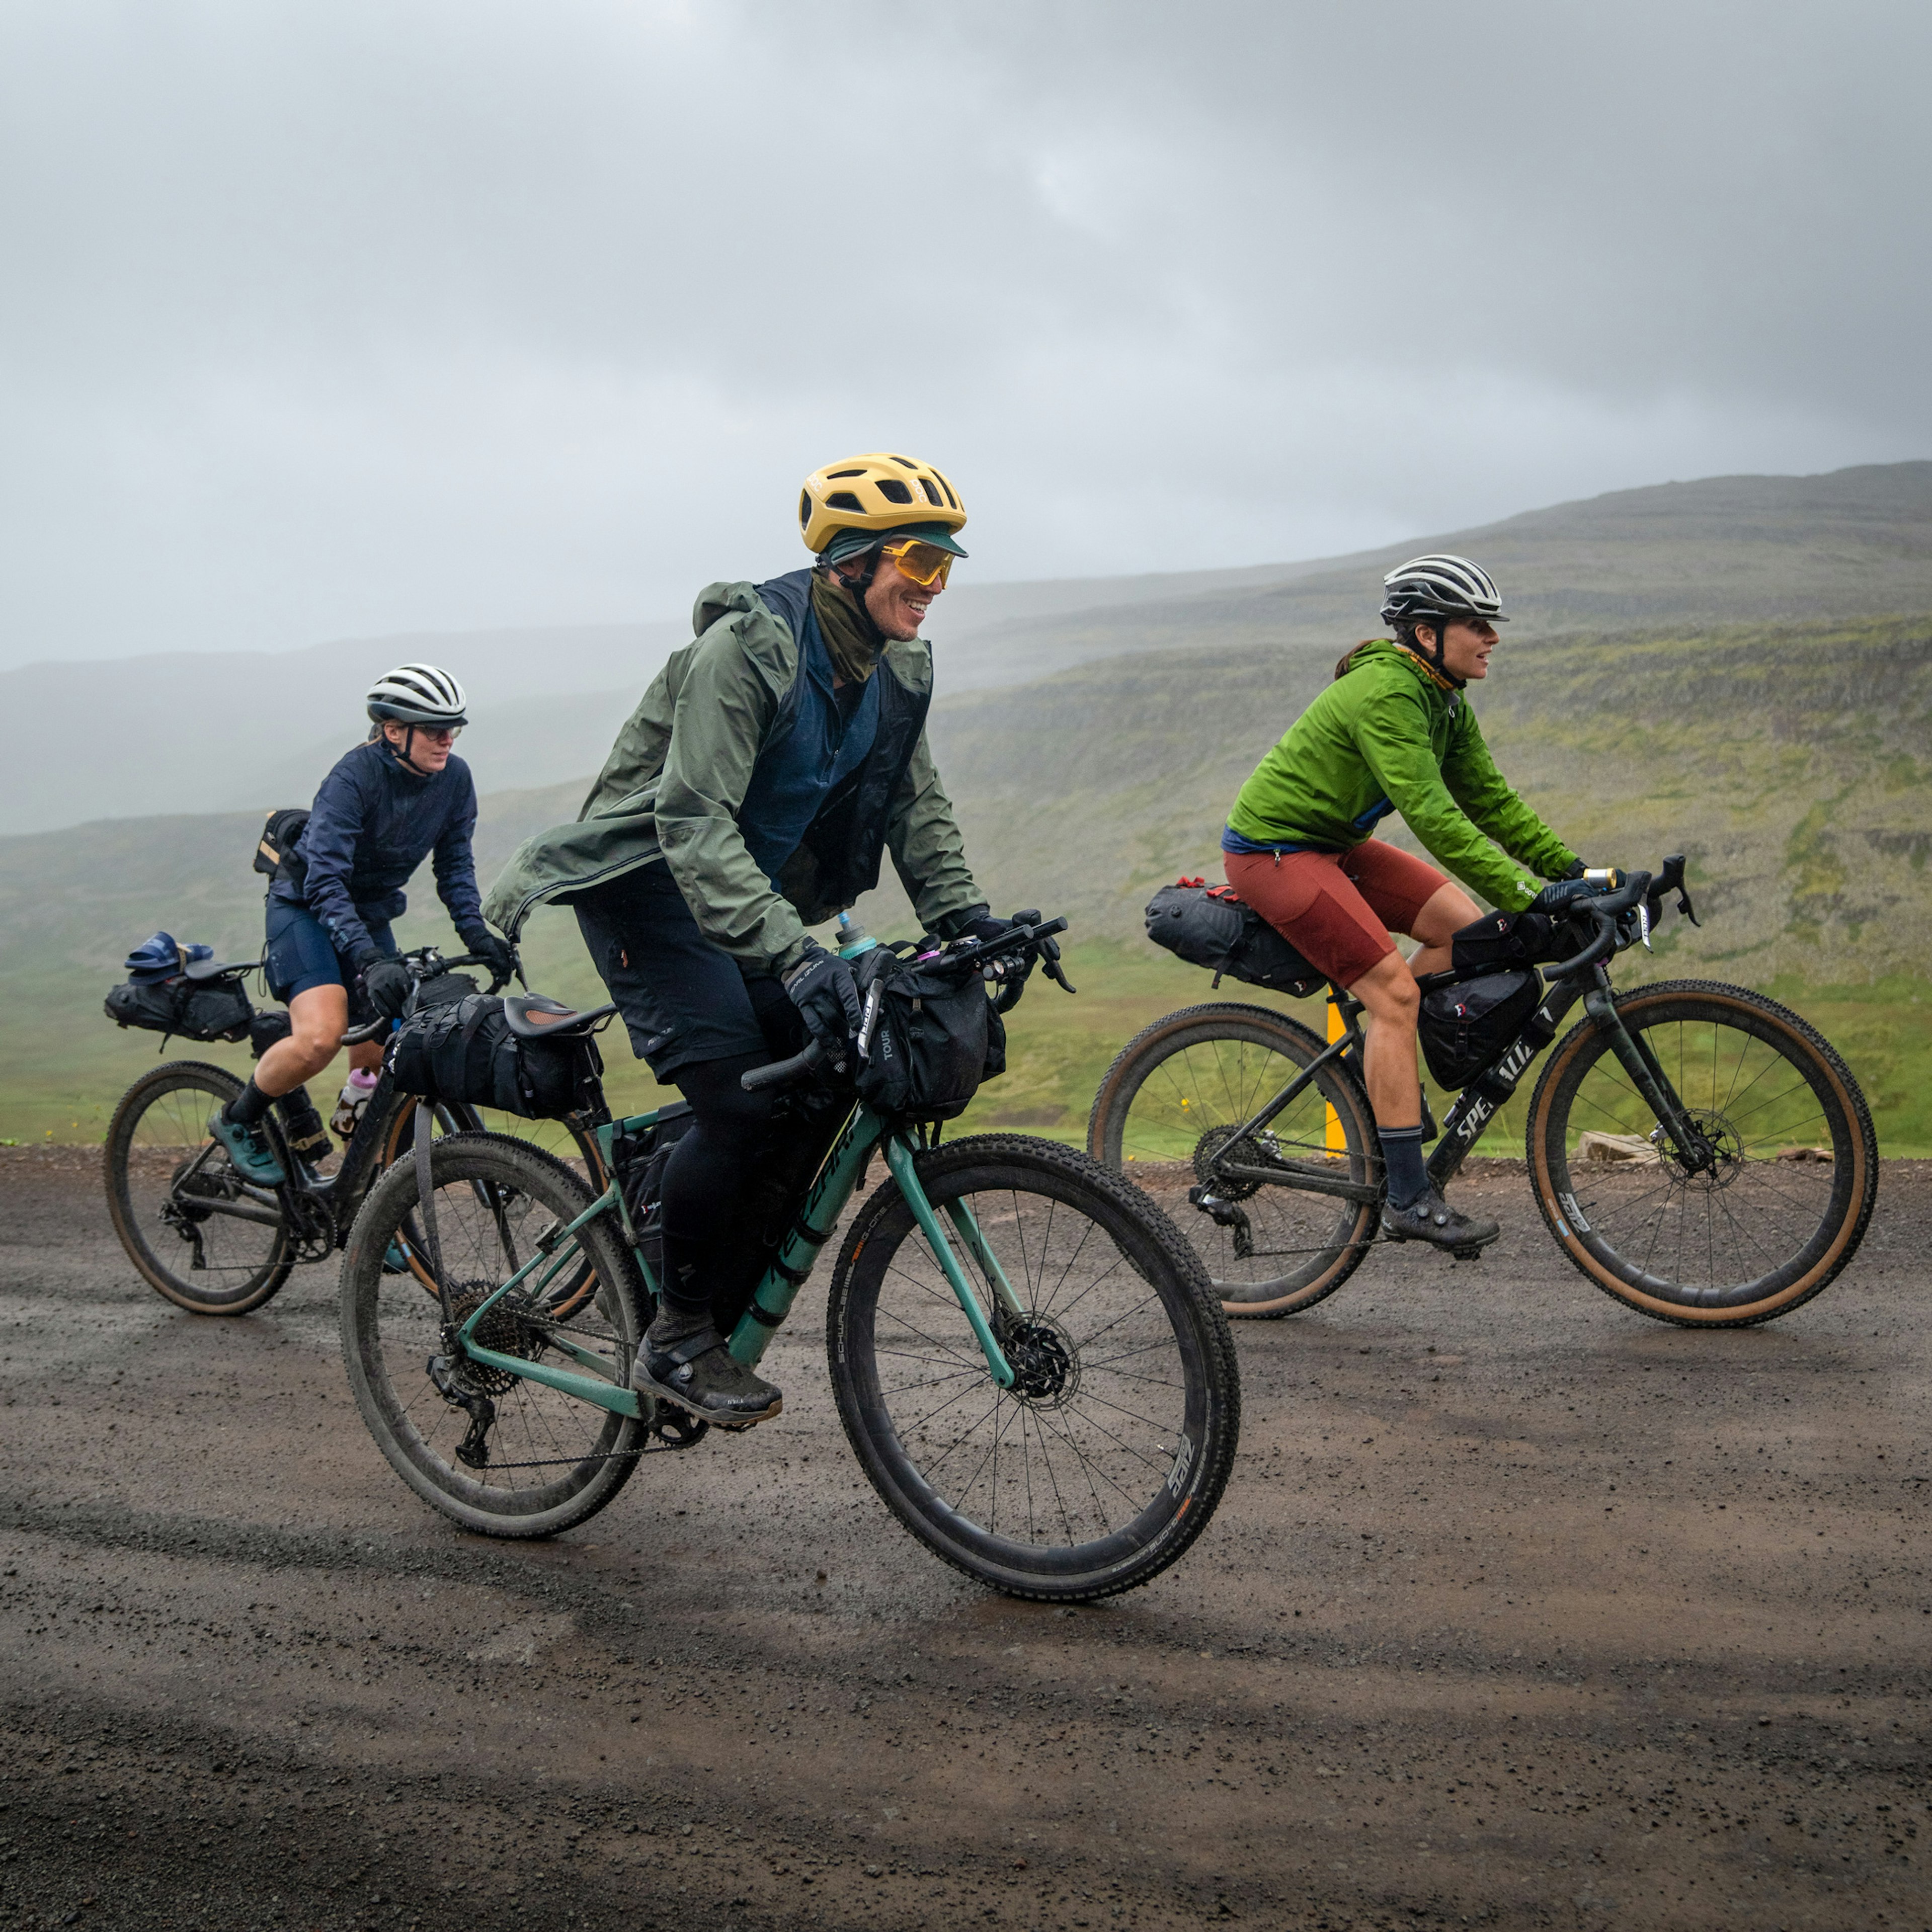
<point x="302" y="956"/>
<point x="683" y="999"/>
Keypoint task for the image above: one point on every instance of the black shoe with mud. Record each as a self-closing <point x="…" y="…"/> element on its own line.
<point x="1430" y="1218"/>
<point x="692" y="1366"/>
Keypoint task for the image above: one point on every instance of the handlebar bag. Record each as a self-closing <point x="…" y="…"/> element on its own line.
<point x="205" y="1009"/>
<point x="1207" y="926"/>
<point x="936" y="1038"/>
<point x="1464" y="1028"/>
<point x="463" y="1052"/>
<point x="1503" y="939"/>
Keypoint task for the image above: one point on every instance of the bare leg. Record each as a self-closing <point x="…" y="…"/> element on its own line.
<point x="318" y="1017"/>
<point x="1447" y="912"/>
<point x="1388" y="989"/>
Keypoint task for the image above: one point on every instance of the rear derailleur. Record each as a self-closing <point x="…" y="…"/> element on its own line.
<point x="445" y="1371"/>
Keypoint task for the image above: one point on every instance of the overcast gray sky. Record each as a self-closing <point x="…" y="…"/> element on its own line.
<point x="363" y="315"/>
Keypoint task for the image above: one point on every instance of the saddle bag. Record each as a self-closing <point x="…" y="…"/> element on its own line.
<point x="169" y="991"/>
<point x="1207" y="926"/>
<point x="1466" y="1027"/>
<point x="935" y="1037"/>
<point x="463" y="1052"/>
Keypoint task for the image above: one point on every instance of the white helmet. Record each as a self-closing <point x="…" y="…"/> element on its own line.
<point x="1440" y="586"/>
<point x="417" y="693"/>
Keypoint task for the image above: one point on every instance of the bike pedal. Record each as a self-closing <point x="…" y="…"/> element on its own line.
<point x="1475" y="1254"/>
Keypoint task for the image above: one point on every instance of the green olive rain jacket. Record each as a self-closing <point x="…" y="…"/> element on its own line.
<point x="1389" y="735"/>
<point x="674" y="784"/>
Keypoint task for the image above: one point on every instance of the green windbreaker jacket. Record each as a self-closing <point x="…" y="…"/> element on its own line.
<point x="1388" y="736"/>
<point x="671" y="788"/>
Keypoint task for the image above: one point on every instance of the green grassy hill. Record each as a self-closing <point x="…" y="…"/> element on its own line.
<point x="1793" y="762"/>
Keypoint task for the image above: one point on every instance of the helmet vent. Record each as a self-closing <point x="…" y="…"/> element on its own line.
<point x="892" y="490"/>
<point x="952" y="500"/>
<point x="905" y="463"/>
<point x="832" y="475"/>
<point x="931" y="495"/>
<point x="844" y="499"/>
<point x="804" y="507"/>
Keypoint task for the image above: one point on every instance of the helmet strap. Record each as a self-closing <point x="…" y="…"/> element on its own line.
<point x="1432" y="655"/>
<point x="858" y="586"/>
<point x="400" y="753"/>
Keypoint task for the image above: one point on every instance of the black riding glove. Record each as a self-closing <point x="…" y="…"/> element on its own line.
<point x="497" y="954"/>
<point x="1559" y="896"/>
<point x="386" y="981"/>
<point x="1010" y="968"/>
<point x="822" y="988"/>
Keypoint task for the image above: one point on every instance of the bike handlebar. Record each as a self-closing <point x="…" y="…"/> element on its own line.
<point x="1608" y="911"/>
<point x="425" y="963"/>
<point x="784" y="1073"/>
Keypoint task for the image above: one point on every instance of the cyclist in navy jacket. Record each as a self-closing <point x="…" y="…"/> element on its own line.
<point x="391" y="803"/>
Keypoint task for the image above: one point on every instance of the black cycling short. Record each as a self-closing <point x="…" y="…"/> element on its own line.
<point x="302" y="956"/>
<point x="683" y="998"/>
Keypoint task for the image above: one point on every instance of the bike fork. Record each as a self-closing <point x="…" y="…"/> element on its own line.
<point x="1647" y="1075"/>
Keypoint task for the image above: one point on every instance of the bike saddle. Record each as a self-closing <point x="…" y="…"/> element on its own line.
<point x="212" y="969"/>
<point x="537" y="1016"/>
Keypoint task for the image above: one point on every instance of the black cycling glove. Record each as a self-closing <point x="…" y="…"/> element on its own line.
<point x="387" y="982"/>
<point x="822" y="988"/>
<point x="496" y="954"/>
<point x="1561" y="894"/>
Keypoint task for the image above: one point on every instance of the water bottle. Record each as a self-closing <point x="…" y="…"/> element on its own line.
<point x="854" y="939"/>
<point x="352" y="1102"/>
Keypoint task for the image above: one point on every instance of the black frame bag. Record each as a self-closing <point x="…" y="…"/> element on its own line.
<point x="1465" y="1028"/>
<point x="1208" y="925"/>
<point x="463" y="1052"/>
<point x="936" y="1036"/>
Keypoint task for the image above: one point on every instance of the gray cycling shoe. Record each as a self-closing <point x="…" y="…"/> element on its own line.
<point x="248" y="1148"/>
<point x="1430" y="1218"/>
<point x="694" y="1368"/>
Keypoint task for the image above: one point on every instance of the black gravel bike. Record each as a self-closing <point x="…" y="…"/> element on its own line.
<point x="1698" y="1151"/>
<point x="216" y="1244"/>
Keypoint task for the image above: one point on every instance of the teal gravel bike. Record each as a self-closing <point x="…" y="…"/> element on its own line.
<point x="1027" y="1356"/>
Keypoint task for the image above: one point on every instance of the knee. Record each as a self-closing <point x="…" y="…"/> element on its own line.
<point x="315" y="1046"/>
<point x="1390" y="993"/>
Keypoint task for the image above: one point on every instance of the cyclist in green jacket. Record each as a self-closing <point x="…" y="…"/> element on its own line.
<point x="1393" y="733"/>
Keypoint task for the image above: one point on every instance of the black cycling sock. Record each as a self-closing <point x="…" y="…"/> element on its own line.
<point x="1401" y="1155"/>
<point x="248" y="1106"/>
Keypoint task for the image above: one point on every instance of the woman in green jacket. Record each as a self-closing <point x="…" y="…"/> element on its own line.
<point x="1393" y="733"/>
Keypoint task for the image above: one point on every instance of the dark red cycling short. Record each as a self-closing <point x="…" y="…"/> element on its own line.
<point x="1337" y="909"/>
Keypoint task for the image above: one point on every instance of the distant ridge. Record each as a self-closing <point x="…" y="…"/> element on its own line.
<point x="193" y="733"/>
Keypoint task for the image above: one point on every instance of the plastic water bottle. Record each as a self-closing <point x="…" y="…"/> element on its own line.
<point x="352" y="1102"/>
<point x="854" y="939"/>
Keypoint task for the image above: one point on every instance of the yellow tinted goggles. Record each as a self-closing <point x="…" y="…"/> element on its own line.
<point x="925" y="564"/>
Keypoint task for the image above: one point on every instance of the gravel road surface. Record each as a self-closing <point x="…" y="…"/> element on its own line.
<point x="1520" y="1611"/>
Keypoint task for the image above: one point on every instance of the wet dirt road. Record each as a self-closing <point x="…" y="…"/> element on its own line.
<point x="1520" y="1611"/>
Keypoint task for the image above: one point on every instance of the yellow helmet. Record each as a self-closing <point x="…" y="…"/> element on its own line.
<point x="882" y="493"/>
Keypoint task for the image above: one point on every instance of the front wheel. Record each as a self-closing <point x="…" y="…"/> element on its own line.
<point x="1104" y="1461"/>
<point x="494" y="1450"/>
<point x="212" y="1241"/>
<point x="1775" y="1216"/>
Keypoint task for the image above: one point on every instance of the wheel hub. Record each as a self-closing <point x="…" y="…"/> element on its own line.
<point x="1045" y="1367"/>
<point x="1727" y="1151"/>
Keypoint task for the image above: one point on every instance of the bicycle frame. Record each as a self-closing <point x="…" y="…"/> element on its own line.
<point x="1479" y="1102"/>
<point x="597" y="1381"/>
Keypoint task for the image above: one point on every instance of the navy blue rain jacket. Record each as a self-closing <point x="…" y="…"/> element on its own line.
<point x="373" y="824"/>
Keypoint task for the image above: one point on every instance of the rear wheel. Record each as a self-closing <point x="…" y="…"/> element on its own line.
<point x="1770" y="1223"/>
<point x="1174" y="1100"/>
<point x="211" y="1242"/>
<point x="519" y="1459"/>
<point x="1102" y="1463"/>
